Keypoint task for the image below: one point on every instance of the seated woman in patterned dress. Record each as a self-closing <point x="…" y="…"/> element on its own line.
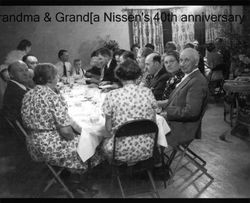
<point x="45" y="115"/>
<point x="171" y="63"/>
<point x="130" y="102"/>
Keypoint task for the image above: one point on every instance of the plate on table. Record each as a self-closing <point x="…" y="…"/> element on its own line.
<point x="105" y="86"/>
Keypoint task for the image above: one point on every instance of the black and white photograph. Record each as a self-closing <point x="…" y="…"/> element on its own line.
<point x="125" y="101"/>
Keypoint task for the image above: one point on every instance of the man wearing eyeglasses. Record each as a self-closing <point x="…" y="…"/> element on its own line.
<point x="187" y="102"/>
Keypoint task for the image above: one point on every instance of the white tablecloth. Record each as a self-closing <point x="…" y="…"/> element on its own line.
<point x="85" y="110"/>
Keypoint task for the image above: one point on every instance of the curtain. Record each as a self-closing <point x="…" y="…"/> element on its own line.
<point x="143" y="32"/>
<point x="217" y="29"/>
<point x="182" y="32"/>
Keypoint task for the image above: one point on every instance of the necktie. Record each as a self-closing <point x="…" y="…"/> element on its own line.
<point x="102" y="73"/>
<point x="64" y="70"/>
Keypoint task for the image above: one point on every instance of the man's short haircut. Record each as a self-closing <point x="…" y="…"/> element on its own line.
<point x="128" y="54"/>
<point x="133" y="46"/>
<point x="60" y="53"/>
<point x="151" y="46"/>
<point x="119" y="52"/>
<point x="128" y="70"/>
<point x="25" y="57"/>
<point x="210" y="46"/>
<point x="23" y="44"/>
<point x="171" y="44"/>
<point x="94" y="53"/>
<point x="77" y="60"/>
<point x="189" y="45"/>
<point x="146" y="51"/>
<point x="157" y="58"/>
<point x="10" y="66"/>
<point x="194" y="53"/>
<point x="104" y="52"/>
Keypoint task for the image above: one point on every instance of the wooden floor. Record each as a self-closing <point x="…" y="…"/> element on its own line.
<point x="227" y="161"/>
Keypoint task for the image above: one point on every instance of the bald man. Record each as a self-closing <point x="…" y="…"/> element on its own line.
<point x="158" y="76"/>
<point x="31" y="62"/>
<point x="187" y="102"/>
<point x="16" y="88"/>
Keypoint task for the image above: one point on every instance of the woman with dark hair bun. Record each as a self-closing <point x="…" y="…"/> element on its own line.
<point x="130" y="102"/>
<point x="45" y="115"/>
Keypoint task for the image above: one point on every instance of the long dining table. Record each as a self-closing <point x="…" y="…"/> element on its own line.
<point x="85" y="109"/>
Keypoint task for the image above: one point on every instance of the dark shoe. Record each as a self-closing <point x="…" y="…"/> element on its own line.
<point x="65" y="174"/>
<point x="159" y="174"/>
<point x="71" y="178"/>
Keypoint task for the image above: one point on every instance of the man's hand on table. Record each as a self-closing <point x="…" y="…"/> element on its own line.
<point x="92" y="85"/>
<point x="104" y="83"/>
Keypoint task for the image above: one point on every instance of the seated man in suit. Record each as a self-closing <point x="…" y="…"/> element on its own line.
<point x="158" y="75"/>
<point x="187" y="102"/>
<point x="16" y="88"/>
<point x="108" y="66"/>
<point x="63" y="66"/>
<point x="93" y="72"/>
<point x="4" y="78"/>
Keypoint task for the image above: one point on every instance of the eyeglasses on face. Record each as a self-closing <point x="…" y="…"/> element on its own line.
<point x="169" y="62"/>
<point x="186" y="60"/>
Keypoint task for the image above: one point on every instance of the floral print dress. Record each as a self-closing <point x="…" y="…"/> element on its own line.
<point x="130" y="102"/>
<point x="42" y="111"/>
<point x="171" y="84"/>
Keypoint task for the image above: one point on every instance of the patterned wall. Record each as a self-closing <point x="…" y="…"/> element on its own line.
<point x="147" y="32"/>
<point x="216" y="29"/>
<point x="182" y="32"/>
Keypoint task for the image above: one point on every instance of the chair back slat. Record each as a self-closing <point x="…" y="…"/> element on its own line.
<point x="136" y="128"/>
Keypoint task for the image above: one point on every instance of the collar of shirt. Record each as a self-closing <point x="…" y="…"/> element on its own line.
<point x="185" y="76"/>
<point x="157" y="72"/>
<point x="61" y="63"/>
<point x="19" y="84"/>
<point x="108" y="64"/>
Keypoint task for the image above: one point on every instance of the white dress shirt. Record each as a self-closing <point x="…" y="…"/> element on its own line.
<point x="19" y="84"/>
<point x="59" y="67"/>
<point x="185" y="76"/>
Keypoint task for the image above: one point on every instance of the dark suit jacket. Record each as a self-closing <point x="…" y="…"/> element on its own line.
<point x="109" y="74"/>
<point x="94" y="71"/>
<point x="185" y="109"/>
<point x="12" y="101"/>
<point x="158" y="83"/>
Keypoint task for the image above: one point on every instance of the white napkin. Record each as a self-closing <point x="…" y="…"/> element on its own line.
<point x="163" y="130"/>
<point x="87" y="145"/>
